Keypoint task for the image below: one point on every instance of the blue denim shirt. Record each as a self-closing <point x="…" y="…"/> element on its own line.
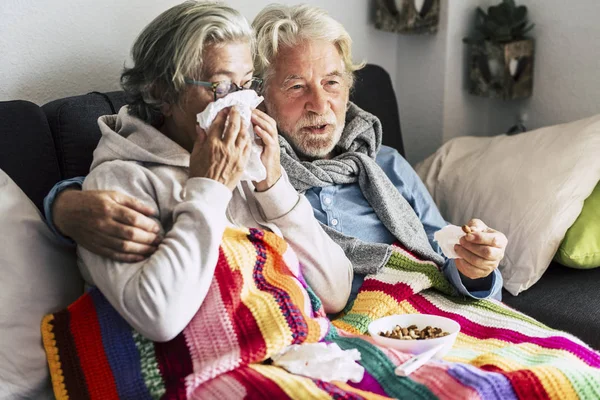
<point x="345" y="209"/>
<point x="49" y="201"/>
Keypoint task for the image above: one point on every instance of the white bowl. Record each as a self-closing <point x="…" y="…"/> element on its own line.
<point x="421" y="321"/>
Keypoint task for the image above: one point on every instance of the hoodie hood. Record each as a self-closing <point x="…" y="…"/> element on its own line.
<point x="128" y="138"/>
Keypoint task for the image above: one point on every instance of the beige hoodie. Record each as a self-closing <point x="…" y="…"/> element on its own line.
<point x="159" y="296"/>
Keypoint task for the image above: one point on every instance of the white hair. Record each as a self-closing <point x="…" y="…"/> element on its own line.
<point x="278" y="26"/>
<point x="170" y="49"/>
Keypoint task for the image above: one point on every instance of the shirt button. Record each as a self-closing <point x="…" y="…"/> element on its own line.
<point x="334" y="222"/>
<point x="327" y="200"/>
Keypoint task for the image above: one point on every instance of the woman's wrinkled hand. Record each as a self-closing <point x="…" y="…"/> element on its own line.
<point x="221" y="153"/>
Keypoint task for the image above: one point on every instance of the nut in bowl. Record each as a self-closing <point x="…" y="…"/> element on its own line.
<point x="417" y="345"/>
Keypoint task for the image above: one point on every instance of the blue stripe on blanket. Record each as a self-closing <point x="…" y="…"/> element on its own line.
<point x="120" y="349"/>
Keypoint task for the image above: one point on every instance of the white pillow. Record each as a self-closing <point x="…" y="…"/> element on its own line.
<point x="530" y="186"/>
<point x="39" y="276"/>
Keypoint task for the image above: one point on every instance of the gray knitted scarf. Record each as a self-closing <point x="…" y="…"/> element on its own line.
<point x="358" y="147"/>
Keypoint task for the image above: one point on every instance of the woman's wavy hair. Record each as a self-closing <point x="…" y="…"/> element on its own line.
<point x="169" y="50"/>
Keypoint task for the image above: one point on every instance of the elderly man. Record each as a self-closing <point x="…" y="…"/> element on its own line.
<point x="331" y="150"/>
<point x="365" y="195"/>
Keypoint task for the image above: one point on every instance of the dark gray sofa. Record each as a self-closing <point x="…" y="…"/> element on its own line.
<point x="41" y="145"/>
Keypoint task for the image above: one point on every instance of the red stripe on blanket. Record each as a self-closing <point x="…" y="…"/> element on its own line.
<point x="252" y="345"/>
<point x="526" y="385"/>
<point x="491" y="368"/>
<point x="258" y="386"/>
<point x="398" y="291"/>
<point x="86" y="335"/>
<point x="175" y="365"/>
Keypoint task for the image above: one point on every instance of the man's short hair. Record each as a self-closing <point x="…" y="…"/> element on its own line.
<point x="279" y="26"/>
<point x="169" y="50"/>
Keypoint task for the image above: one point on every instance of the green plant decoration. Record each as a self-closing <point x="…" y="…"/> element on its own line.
<point x="505" y="22"/>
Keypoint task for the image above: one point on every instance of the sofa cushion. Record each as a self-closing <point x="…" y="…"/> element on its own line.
<point x="74" y="125"/>
<point x="38" y="276"/>
<point x="581" y="246"/>
<point x="529" y="186"/>
<point x="27" y="152"/>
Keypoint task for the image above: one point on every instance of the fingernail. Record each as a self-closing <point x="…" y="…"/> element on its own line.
<point x="470" y="237"/>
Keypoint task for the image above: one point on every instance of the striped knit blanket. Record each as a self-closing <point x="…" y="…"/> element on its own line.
<point x="258" y="304"/>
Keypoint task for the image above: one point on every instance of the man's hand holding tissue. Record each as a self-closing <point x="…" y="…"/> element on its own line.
<point x="266" y="129"/>
<point x="221" y="153"/>
<point x="480" y="251"/>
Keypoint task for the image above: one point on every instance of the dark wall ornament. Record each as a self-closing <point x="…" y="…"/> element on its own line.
<point x="500" y="56"/>
<point x="407" y="16"/>
<point x="501" y="70"/>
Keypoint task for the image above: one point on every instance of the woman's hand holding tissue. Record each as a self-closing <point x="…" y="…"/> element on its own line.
<point x="266" y="129"/>
<point x="221" y="153"/>
<point x="480" y="251"/>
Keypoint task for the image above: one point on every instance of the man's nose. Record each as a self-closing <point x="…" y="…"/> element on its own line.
<point x="318" y="101"/>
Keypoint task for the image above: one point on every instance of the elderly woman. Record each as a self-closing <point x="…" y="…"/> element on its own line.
<point x="189" y="56"/>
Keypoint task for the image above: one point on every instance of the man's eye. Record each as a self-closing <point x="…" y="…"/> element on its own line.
<point x="295" y="87"/>
<point x="333" y="83"/>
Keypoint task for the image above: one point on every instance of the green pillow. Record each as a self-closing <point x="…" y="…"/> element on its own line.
<point x="581" y="246"/>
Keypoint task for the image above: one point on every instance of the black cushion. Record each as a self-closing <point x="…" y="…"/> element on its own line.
<point x="74" y="125"/>
<point x="566" y="299"/>
<point x="373" y="92"/>
<point x="27" y="152"/>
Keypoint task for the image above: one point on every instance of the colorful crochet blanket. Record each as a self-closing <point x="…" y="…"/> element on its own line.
<point x="258" y="304"/>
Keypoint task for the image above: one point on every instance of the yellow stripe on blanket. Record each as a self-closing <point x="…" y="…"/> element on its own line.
<point x="494" y="351"/>
<point x="238" y="250"/>
<point x="295" y="386"/>
<point x="362" y="393"/>
<point x="54" y="365"/>
<point x="292" y="287"/>
<point x="265" y="310"/>
<point x="374" y="305"/>
<point x="556" y="384"/>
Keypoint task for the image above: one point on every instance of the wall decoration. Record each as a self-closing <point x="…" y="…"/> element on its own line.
<point x="500" y="55"/>
<point x="407" y="16"/>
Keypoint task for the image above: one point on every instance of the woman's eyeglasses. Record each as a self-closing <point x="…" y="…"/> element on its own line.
<point x="223" y="88"/>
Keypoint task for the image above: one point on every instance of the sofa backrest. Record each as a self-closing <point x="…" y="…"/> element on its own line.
<point x="27" y="152"/>
<point x="373" y="92"/>
<point x="74" y="125"/>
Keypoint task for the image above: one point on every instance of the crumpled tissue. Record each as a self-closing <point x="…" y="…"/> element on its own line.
<point x="447" y="237"/>
<point x="246" y="101"/>
<point x="324" y="361"/>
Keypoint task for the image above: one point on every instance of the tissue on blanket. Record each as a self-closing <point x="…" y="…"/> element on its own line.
<point x="246" y="101"/>
<point x="327" y="362"/>
<point x="447" y="237"/>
